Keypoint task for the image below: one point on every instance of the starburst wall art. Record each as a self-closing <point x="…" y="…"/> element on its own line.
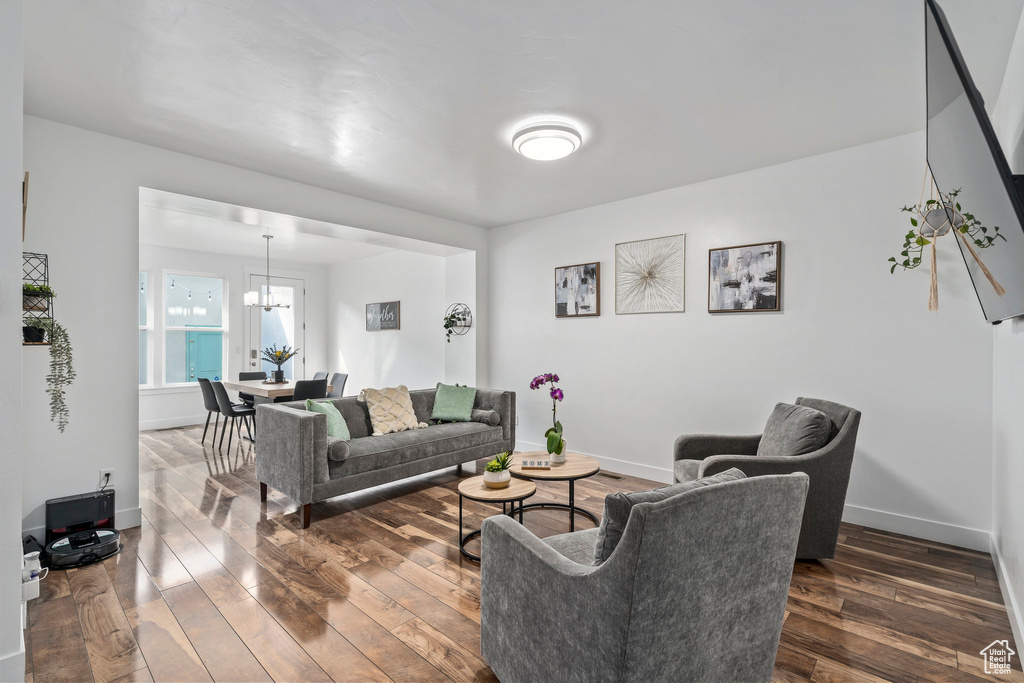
<point x="649" y="275"/>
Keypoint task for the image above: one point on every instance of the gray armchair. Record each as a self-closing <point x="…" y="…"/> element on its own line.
<point x="702" y="455"/>
<point x="695" y="590"/>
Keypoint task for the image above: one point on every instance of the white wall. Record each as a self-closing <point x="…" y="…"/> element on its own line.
<point x="160" y="408"/>
<point x="849" y="331"/>
<point x="413" y="355"/>
<point x="85" y="204"/>
<point x="1008" y="377"/>
<point x="12" y="647"/>
<point x="460" y="287"/>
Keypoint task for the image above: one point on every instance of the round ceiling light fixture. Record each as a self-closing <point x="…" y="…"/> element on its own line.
<point x="546" y="141"/>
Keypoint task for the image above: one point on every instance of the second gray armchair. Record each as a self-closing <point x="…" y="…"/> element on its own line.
<point x="702" y="455"/>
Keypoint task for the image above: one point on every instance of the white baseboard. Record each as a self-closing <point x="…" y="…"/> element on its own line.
<point x="1013" y="607"/>
<point x="169" y="422"/>
<point x="659" y="474"/>
<point x="961" y="536"/>
<point x="124" y="519"/>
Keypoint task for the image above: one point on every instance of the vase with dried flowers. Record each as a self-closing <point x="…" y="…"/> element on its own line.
<point x="279" y="357"/>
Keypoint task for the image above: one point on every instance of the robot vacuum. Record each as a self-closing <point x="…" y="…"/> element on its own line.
<point x="83" y="548"/>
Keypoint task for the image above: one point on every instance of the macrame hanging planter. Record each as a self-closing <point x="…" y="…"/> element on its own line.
<point x="937" y="217"/>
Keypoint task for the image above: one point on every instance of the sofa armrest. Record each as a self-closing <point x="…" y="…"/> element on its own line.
<point x="292" y="451"/>
<point x="538" y="606"/>
<point x="759" y="465"/>
<point x="504" y="403"/>
<point x="701" y="446"/>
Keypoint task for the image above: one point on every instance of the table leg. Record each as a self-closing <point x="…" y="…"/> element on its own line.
<point x="460" y="518"/>
<point x="572" y="505"/>
<point x="521" y="511"/>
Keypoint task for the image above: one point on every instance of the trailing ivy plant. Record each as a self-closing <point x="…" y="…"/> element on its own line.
<point x="914" y="242"/>
<point x="62" y="369"/>
<point x="451" y="321"/>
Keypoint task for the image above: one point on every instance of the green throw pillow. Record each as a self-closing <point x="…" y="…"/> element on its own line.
<point x="454" y="404"/>
<point x="336" y="425"/>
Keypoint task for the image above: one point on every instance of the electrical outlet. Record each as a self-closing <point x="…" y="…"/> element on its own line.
<point x="103" y="478"/>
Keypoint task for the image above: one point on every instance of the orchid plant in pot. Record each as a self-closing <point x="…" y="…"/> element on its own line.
<point x="496" y="473"/>
<point x="555" y="441"/>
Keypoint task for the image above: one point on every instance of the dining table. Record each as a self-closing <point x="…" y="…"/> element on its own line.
<point x="259" y="387"/>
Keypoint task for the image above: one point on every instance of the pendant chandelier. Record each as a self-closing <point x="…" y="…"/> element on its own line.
<point x="252" y="299"/>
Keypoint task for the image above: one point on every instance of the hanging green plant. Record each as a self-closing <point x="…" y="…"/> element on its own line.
<point x="62" y="370"/>
<point x="934" y="218"/>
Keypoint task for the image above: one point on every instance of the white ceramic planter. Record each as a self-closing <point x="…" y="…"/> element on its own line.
<point x="560" y="458"/>
<point x="497" y="480"/>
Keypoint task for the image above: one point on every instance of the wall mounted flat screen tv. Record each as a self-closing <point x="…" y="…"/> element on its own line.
<point x="964" y="154"/>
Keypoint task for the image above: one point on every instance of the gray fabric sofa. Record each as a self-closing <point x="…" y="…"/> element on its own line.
<point x="695" y="590"/>
<point x="702" y="455"/>
<point x="295" y="456"/>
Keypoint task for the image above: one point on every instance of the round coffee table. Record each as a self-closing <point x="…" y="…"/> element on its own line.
<point x="474" y="488"/>
<point x="575" y="467"/>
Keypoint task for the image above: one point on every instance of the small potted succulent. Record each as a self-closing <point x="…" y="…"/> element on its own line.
<point x="36" y="297"/>
<point x="496" y="474"/>
<point x="279" y="357"/>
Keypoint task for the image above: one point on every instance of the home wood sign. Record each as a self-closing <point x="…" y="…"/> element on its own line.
<point x="383" y="316"/>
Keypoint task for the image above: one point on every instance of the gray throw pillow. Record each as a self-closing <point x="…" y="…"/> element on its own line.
<point x="794" y="430"/>
<point x="617" y="507"/>
<point x="488" y="417"/>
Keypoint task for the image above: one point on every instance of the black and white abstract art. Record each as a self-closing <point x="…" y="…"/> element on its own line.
<point x="578" y="290"/>
<point x="649" y="275"/>
<point x="744" y="278"/>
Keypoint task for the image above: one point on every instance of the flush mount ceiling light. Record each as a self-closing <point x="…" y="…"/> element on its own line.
<point x="546" y="141"/>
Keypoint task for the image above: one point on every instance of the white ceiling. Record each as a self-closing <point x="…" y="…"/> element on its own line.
<point x="178" y="221"/>
<point x="413" y="102"/>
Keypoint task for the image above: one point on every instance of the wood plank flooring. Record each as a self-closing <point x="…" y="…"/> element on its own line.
<point x="215" y="586"/>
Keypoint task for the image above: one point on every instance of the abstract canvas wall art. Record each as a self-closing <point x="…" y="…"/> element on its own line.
<point x="578" y="290"/>
<point x="649" y="275"/>
<point x="745" y="278"/>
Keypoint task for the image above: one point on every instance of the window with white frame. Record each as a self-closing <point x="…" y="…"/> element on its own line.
<point x="145" y="329"/>
<point x="195" y="327"/>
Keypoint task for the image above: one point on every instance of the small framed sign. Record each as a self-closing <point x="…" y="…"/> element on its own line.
<point x="383" y="316"/>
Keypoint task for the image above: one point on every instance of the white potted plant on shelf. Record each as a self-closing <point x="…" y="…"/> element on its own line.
<point x="496" y="474"/>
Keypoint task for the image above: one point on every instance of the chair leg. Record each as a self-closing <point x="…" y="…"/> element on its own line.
<point x="216" y="423"/>
<point x="208" y="413"/>
<point x="223" y="429"/>
<point x="248" y="428"/>
<point x="231" y="431"/>
<point x="307" y="513"/>
<point x="263" y="492"/>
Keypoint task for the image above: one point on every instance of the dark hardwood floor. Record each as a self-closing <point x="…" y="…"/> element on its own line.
<point x="215" y="586"/>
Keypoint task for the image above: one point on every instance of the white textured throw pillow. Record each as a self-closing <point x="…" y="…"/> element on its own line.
<point x="390" y="410"/>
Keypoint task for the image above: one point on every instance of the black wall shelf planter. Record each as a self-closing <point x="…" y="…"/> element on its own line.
<point x="35" y="270"/>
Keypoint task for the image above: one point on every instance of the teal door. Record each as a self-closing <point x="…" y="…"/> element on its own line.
<point x="204" y="355"/>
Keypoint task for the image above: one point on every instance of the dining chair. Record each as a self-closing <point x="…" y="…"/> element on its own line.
<point x="232" y="411"/>
<point x="310" y="388"/>
<point x="338" y="380"/>
<point x="249" y="399"/>
<point x="319" y="375"/>
<point x="210" y="401"/>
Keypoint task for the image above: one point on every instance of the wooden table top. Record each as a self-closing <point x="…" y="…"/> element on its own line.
<point x="576" y="466"/>
<point x="256" y="387"/>
<point x="474" y="488"/>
